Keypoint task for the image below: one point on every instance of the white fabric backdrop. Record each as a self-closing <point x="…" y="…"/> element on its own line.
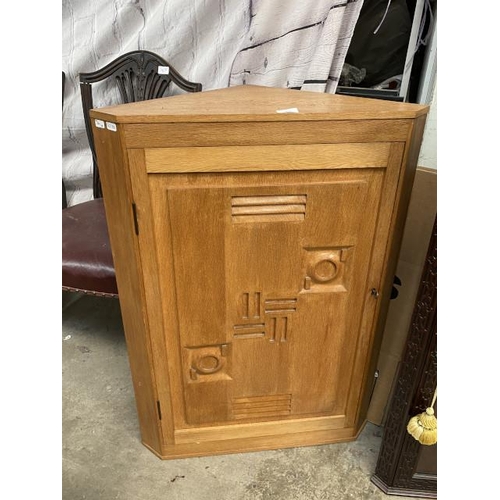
<point x="219" y="43"/>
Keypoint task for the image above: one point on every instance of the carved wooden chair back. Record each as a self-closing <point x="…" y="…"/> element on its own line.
<point x="87" y="261"/>
<point x="138" y="75"/>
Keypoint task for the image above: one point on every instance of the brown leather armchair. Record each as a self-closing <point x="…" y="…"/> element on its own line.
<point x="87" y="261"/>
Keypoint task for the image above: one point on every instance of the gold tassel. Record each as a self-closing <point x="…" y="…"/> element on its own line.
<point x="423" y="427"/>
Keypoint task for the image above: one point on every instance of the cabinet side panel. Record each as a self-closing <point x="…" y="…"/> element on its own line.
<point x="404" y="186"/>
<point x="151" y="277"/>
<point x="382" y="218"/>
<point x="118" y="205"/>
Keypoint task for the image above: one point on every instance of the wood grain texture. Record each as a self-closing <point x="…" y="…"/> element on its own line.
<point x="153" y="313"/>
<point x="255" y="295"/>
<point x="170" y="316"/>
<point x="378" y="264"/>
<point x="406" y="175"/>
<point x="266" y="158"/>
<point x="171" y="135"/>
<point x="118" y="198"/>
<point x="247" y="103"/>
<point x="252" y="430"/>
<point x="254" y="266"/>
<point x="259" y="443"/>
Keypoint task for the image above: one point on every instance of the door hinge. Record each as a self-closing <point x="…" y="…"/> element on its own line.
<point x="136" y="222"/>
<point x="159" y="409"/>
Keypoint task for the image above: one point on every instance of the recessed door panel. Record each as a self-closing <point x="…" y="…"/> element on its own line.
<point x="270" y="282"/>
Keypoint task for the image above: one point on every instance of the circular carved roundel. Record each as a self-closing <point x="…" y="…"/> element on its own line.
<point x="324" y="270"/>
<point x="207" y="364"/>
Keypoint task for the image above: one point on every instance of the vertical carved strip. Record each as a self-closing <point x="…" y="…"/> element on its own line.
<point x="279" y="328"/>
<point x="256" y="307"/>
<point x="285" y="329"/>
<point x="273" y="330"/>
<point x="249" y="305"/>
<point x="246" y="305"/>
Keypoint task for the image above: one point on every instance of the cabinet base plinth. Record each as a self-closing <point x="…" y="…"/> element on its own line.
<point x="253" y="444"/>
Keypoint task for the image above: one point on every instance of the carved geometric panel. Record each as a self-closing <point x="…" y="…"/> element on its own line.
<point x="249" y="331"/>
<point x="277" y="324"/>
<point x="279" y="328"/>
<point x="259" y="241"/>
<point x="262" y="406"/>
<point x="278" y="318"/>
<point x="282" y="208"/>
<point x="325" y="270"/>
<point x="249" y="312"/>
<point x="208" y="363"/>
<point x="280" y="306"/>
<point x="250" y="305"/>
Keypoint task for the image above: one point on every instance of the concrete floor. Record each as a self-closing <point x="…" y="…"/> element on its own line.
<point x="103" y="457"/>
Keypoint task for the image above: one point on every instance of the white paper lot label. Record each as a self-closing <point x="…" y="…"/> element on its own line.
<point x="289" y="110"/>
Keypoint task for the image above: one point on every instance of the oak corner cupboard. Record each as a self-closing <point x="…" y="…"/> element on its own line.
<point x="255" y="233"/>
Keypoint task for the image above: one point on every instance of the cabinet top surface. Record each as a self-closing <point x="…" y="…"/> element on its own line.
<point x="256" y="103"/>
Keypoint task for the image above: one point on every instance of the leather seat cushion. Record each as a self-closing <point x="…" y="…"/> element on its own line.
<point x="87" y="261"/>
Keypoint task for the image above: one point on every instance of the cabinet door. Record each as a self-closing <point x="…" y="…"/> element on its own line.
<point x="268" y="274"/>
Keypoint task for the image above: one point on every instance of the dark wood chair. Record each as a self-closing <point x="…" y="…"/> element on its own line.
<point x="87" y="261"/>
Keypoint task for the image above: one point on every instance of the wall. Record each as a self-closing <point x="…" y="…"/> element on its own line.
<point x="428" y="151"/>
<point x="221" y="43"/>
